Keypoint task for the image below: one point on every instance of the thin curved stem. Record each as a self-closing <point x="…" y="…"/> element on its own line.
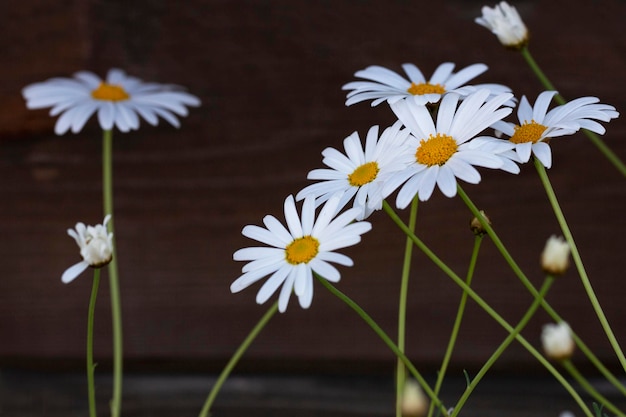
<point x="543" y="175"/>
<point x="404" y="287"/>
<point x="91" y="366"/>
<point x="595" y="139"/>
<point x="116" y="309"/>
<point x="504" y="345"/>
<point x="387" y="340"/>
<point x="531" y="288"/>
<point x="236" y="357"/>
<point x="458" y="319"/>
<point x="490" y="311"/>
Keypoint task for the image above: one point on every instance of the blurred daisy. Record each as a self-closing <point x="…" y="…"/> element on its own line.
<point x="119" y="101"/>
<point x="442" y="152"/>
<point x="360" y="173"/>
<point x="504" y="22"/>
<point x="538" y="125"/>
<point x="96" y="248"/>
<point x="306" y="246"/>
<point x="386" y="85"/>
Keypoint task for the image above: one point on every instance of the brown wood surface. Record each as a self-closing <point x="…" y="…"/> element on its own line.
<point x="270" y="75"/>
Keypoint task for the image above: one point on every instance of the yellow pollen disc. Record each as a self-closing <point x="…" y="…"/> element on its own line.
<point x="302" y="250"/>
<point x="436" y="150"/>
<point x="528" y="132"/>
<point x="426" y="88"/>
<point x="364" y="174"/>
<point x="110" y="92"/>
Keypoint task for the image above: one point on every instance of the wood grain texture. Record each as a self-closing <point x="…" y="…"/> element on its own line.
<point x="270" y="75"/>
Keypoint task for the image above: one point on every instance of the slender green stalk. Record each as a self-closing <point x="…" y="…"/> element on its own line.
<point x="504" y="345"/>
<point x="569" y="366"/>
<point x="116" y="309"/>
<point x="235" y="358"/>
<point x="543" y="175"/>
<point x="482" y="304"/>
<point x="404" y="287"/>
<point x="387" y="340"/>
<point x="595" y="139"/>
<point x="530" y="287"/>
<point x="91" y="366"/>
<point x="458" y="319"/>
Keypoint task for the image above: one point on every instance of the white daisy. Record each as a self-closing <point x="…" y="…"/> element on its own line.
<point x="96" y="248"/>
<point x="307" y="245"/>
<point x="504" y="22"/>
<point x="118" y="101"/>
<point x="387" y="85"/>
<point x="442" y="152"/>
<point x="360" y="172"/>
<point x="538" y="125"/>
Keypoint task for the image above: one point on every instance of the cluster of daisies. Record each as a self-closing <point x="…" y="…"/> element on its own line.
<point x="445" y="130"/>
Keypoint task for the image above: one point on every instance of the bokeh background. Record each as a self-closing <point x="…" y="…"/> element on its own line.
<point x="269" y="74"/>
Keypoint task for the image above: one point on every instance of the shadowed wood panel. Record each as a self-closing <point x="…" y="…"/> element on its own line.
<point x="270" y="75"/>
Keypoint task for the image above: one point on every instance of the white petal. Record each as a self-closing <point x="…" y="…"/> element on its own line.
<point x="542" y="152"/>
<point x="73" y="271"/>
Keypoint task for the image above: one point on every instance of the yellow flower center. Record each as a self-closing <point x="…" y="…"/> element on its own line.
<point x="302" y="250"/>
<point x="364" y="174"/>
<point x="436" y="150"/>
<point x="528" y="132"/>
<point x="426" y="88"/>
<point x="110" y="92"/>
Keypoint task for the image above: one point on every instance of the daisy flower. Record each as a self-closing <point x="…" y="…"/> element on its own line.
<point x="386" y="85"/>
<point x="537" y="125"/>
<point x="504" y="22"/>
<point x="120" y="101"/>
<point x="360" y="173"/>
<point x="305" y="247"/>
<point x="441" y="152"/>
<point x="96" y="248"/>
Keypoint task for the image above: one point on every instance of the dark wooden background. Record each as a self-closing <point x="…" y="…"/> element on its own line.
<point x="270" y="75"/>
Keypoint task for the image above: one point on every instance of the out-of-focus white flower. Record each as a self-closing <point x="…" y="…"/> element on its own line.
<point x="96" y="248"/>
<point x="118" y="101"/>
<point x="414" y="401"/>
<point x="557" y="341"/>
<point x="555" y="256"/>
<point x="504" y="22"/>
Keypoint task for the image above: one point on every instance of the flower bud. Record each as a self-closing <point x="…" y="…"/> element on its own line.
<point x="557" y="341"/>
<point x="555" y="256"/>
<point x="96" y="248"/>
<point x="504" y="22"/>
<point x="477" y="227"/>
<point x="414" y="402"/>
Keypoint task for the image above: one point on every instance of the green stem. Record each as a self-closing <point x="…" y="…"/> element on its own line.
<point x="504" y="345"/>
<point x="235" y="358"/>
<point x="116" y="310"/>
<point x="543" y="175"/>
<point x="569" y="366"/>
<point x="490" y="311"/>
<point x="404" y="286"/>
<point x="91" y="367"/>
<point x="530" y="287"/>
<point x="595" y="139"/>
<point x="459" y="318"/>
<point x="387" y="340"/>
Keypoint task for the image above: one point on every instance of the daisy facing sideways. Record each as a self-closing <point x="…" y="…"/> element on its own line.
<point x="119" y="101"/>
<point x="537" y="125"/>
<point x="96" y="248"/>
<point x="360" y="173"/>
<point x="293" y="254"/>
<point x="386" y="85"/>
<point x="442" y="151"/>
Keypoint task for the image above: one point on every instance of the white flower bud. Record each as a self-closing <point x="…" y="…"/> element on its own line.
<point x="504" y="22"/>
<point x="96" y="248"/>
<point x="557" y="341"/>
<point x="555" y="256"/>
<point x="414" y="401"/>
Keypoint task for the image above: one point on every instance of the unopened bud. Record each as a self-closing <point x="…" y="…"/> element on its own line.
<point x="555" y="256"/>
<point x="477" y="227"/>
<point x="414" y="401"/>
<point x="557" y="341"/>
